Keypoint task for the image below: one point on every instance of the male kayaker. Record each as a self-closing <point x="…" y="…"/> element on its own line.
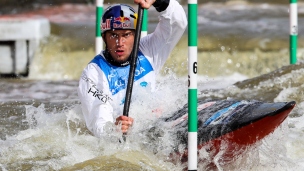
<point x="102" y="86"/>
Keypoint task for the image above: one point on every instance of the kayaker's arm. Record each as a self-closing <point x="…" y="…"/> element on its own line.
<point x="171" y="26"/>
<point x="95" y="99"/>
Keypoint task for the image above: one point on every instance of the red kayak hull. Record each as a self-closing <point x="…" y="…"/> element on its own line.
<point x="234" y="143"/>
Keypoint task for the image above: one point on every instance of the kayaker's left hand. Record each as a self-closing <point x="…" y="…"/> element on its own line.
<point x="144" y="3"/>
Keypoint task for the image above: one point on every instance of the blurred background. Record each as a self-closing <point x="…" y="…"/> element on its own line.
<point x="237" y="36"/>
<point x="9" y="6"/>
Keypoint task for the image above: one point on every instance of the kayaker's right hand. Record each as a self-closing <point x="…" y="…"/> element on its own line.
<point x="145" y="3"/>
<point x="125" y="122"/>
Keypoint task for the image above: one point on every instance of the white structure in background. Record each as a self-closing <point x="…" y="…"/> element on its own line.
<point x="19" y="38"/>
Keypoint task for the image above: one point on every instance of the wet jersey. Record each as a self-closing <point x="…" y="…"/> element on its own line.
<point x="102" y="86"/>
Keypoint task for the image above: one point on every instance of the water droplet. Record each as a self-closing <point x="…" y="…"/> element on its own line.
<point x="229" y="61"/>
<point x="222" y="48"/>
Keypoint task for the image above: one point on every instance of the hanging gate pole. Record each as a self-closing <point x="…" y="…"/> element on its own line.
<point x="192" y="85"/>
<point x="293" y="14"/>
<point x="98" y="38"/>
<point x="144" y="28"/>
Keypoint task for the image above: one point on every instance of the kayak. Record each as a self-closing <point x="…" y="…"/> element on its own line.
<point x="228" y="127"/>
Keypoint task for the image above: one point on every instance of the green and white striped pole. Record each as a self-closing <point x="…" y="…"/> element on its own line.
<point x="293" y="17"/>
<point x="144" y="28"/>
<point x="192" y="85"/>
<point x="98" y="38"/>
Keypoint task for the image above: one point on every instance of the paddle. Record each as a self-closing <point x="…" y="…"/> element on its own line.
<point x="133" y="62"/>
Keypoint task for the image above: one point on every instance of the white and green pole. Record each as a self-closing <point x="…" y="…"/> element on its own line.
<point x="293" y="17"/>
<point x="192" y="85"/>
<point x="144" y="28"/>
<point x="98" y="38"/>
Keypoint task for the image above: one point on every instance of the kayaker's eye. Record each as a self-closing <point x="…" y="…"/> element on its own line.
<point x="124" y="35"/>
<point x="127" y="35"/>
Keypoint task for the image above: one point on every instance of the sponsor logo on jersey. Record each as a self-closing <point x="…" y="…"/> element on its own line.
<point x="95" y="92"/>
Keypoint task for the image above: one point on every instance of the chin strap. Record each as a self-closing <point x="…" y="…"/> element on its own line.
<point x="110" y="59"/>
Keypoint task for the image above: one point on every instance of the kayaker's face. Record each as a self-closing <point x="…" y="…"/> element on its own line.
<point x="119" y="44"/>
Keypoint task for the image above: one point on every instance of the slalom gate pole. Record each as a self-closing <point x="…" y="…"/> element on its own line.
<point x="98" y="38"/>
<point x="192" y="85"/>
<point x="144" y="29"/>
<point x="293" y="17"/>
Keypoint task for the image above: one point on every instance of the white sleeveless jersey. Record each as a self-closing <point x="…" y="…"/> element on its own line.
<point x="102" y="86"/>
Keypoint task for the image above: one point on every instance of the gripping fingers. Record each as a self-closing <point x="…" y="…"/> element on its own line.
<point x="144" y="3"/>
<point x="124" y="123"/>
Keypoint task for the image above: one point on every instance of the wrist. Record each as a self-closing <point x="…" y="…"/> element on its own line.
<point x="161" y="5"/>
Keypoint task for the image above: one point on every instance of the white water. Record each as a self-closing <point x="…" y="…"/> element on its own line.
<point x="58" y="138"/>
